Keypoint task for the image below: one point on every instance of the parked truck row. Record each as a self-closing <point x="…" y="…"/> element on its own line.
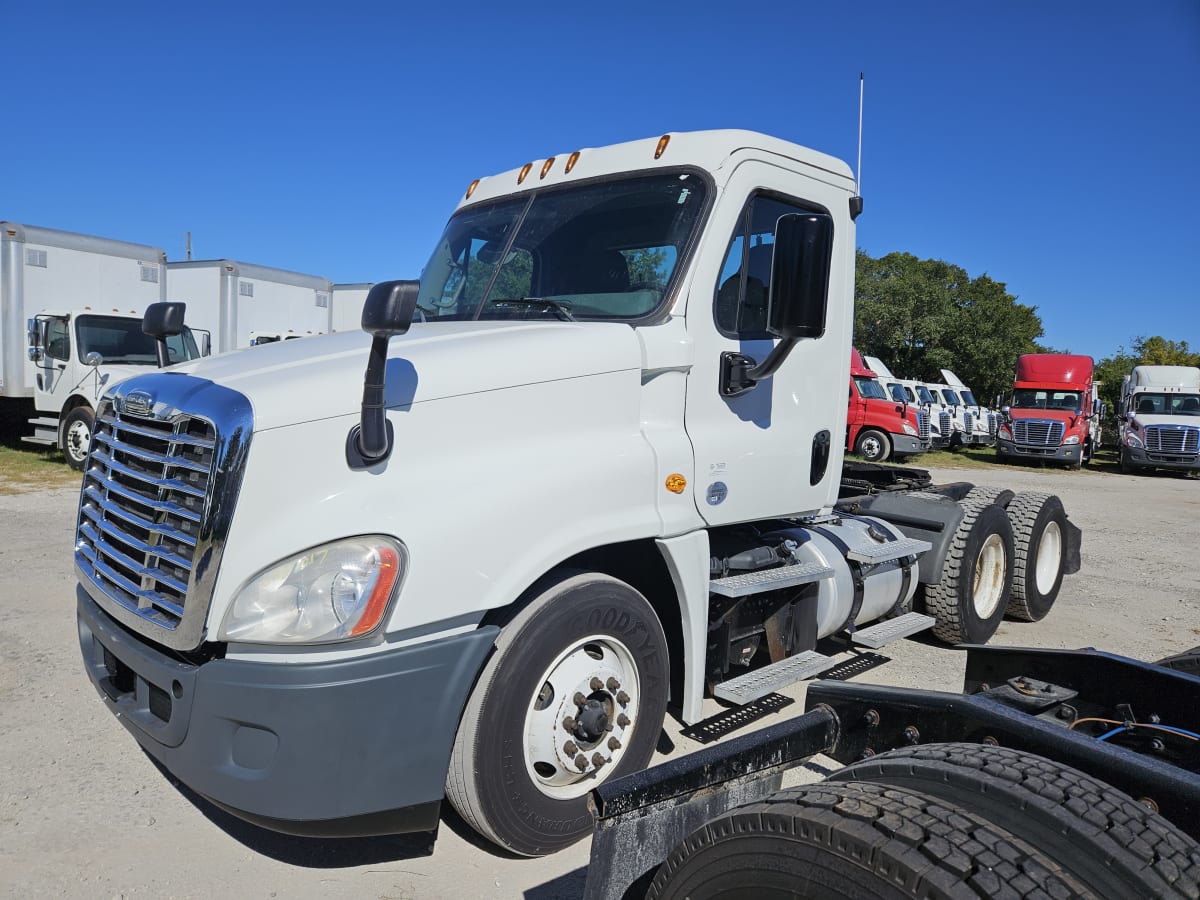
<point x="71" y="307"/>
<point x="476" y="551"/>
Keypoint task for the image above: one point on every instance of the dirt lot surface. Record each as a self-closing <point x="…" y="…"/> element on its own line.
<point x="83" y="813"/>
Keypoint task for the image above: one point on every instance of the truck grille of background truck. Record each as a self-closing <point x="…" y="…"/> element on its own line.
<point x="923" y="425"/>
<point x="1171" y="439"/>
<point x="1038" y="432"/>
<point x="142" y="508"/>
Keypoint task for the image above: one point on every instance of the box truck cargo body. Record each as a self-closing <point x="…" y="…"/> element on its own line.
<point x="242" y="304"/>
<point x="348" y="300"/>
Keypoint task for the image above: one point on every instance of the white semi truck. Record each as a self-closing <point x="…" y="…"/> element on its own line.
<point x="1160" y="426"/>
<point x="596" y="469"/>
<point x="243" y="304"/>
<point x="71" y="308"/>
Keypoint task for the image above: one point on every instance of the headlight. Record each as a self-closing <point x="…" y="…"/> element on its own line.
<point x="1071" y="439"/>
<point x="1004" y="432"/>
<point x="330" y="593"/>
<point x="1132" y="440"/>
<point x="908" y="429"/>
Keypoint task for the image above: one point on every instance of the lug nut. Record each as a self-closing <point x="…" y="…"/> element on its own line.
<point x="596" y="684"/>
<point x="622" y="698"/>
<point x="579" y="699"/>
<point x="871" y="719"/>
<point x="569" y="723"/>
<point x="612" y="684"/>
<point x="623" y="720"/>
<point x="912" y="735"/>
<point x="570" y="749"/>
<point x="614" y="744"/>
<point x="581" y="762"/>
<point x="598" y="760"/>
<point x="608" y="726"/>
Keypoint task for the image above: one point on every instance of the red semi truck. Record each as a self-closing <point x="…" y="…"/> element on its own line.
<point x="877" y="427"/>
<point x="1054" y="416"/>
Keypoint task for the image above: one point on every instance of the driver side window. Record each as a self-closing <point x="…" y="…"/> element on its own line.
<point x="742" y="289"/>
<point x="58" y="339"/>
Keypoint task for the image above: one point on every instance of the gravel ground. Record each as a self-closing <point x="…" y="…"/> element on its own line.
<point x="84" y="814"/>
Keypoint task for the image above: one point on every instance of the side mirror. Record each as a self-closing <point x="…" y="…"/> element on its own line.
<point x="163" y="320"/>
<point x="1006" y="409"/>
<point x="205" y="343"/>
<point x="798" y="298"/>
<point x="93" y="359"/>
<point x="388" y="311"/>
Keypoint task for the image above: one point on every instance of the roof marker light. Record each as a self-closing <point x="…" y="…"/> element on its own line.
<point x="524" y="172"/>
<point x="571" y="160"/>
<point x="546" y="167"/>
<point x="471" y="189"/>
<point x="662" y="145"/>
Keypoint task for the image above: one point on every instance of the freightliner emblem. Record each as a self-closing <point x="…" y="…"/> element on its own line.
<point x="137" y="403"/>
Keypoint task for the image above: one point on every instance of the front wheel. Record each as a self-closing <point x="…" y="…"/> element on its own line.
<point x="873" y="445"/>
<point x="574" y="694"/>
<point x="76" y="436"/>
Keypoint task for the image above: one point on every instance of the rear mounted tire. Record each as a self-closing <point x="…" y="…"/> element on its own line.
<point x="1100" y="836"/>
<point x="1040" y="535"/>
<point x="972" y="596"/>
<point x="855" y="840"/>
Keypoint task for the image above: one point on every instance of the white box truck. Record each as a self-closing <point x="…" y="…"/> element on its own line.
<point x="1160" y="418"/>
<point x="348" y="300"/>
<point x="594" y="467"/>
<point x="71" y="309"/>
<point x="243" y="304"/>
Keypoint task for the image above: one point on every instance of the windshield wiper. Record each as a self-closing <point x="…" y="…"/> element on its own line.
<point x="561" y="310"/>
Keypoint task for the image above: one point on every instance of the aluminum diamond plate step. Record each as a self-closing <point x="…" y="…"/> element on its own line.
<point x="769" y="579"/>
<point x="892" y="630"/>
<point x="749" y="687"/>
<point x="889" y="550"/>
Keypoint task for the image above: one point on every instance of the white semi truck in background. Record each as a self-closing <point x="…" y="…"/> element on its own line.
<point x="71" y="309"/>
<point x="1160" y="418"/>
<point x="595" y="467"/>
<point x="243" y="304"/>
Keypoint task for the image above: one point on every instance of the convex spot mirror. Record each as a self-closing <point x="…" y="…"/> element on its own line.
<point x="800" y="269"/>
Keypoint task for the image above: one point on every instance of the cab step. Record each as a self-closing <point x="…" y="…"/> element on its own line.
<point x="889" y="550"/>
<point x="45" y="431"/>
<point x="753" y="685"/>
<point x="769" y="579"/>
<point x="892" y="630"/>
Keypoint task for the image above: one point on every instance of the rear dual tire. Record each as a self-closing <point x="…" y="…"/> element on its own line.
<point x="970" y="599"/>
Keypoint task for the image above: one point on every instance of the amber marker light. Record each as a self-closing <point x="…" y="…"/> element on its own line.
<point x="524" y="172"/>
<point x="471" y="189"/>
<point x="381" y="593"/>
<point x="662" y="145"/>
<point x="546" y="167"/>
<point x="571" y="160"/>
<point x="676" y="483"/>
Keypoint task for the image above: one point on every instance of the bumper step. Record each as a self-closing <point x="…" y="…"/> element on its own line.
<point x="892" y="630"/>
<point x="770" y="579"/>
<point x="753" y="685"/>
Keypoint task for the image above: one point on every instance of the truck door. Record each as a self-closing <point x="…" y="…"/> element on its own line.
<point x="56" y="358"/>
<point x="856" y="415"/>
<point x="754" y="453"/>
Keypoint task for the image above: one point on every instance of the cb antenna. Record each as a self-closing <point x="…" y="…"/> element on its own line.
<point x="856" y="202"/>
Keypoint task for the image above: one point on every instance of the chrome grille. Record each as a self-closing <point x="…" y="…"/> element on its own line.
<point x="1172" y="439"/>
<point x="1038" y="432"/>
<point x="968" y="422"/>
<point x="142" y="504"/>
<point x="159" y="490"/>
<point x="993" y="424"/>
<point x="923" y="424"/>
<point x="945" y="422"/>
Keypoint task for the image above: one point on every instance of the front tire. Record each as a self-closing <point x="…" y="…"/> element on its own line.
<point x="873" y="445"/>
<point x="528" y="752"/>
<point x="972" y="596"/>
<point x="75" y="436"/>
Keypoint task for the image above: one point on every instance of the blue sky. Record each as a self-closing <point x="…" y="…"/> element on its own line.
<point x="1052" y="145"/>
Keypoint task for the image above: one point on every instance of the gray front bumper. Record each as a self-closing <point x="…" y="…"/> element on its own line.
<point x="333" y="749"/>
<point x="1068" y="453"/>
<point x="905" y="444"/>
<point x="1181" y="461"/>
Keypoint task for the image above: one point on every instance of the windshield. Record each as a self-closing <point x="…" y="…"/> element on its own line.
<point x="1167" y="404"/>
<point x="951" y="397"/>
<point x="1031" y="398"/>
<point x="968" y="398"/>
<point x="869" y="388"/>
<point x="601" y="251"/>
<point x="121" y="340"/>
<point x="923" y="393"/>
<point x="897" y="392"/>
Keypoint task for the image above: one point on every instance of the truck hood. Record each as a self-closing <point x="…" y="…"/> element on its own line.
<point x="322" y="377"/>
<point x="1144" y="420"/>
<point x="1051" y="415"/>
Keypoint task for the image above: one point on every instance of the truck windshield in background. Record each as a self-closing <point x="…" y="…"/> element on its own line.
<point x="968" y="398"/>
<point x="869" y="388"/>
<point x="121" y="340"/>
<point x="1168" y="404"/>
<point x="607" y="250"/>
<point x="1029" y="398"/>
